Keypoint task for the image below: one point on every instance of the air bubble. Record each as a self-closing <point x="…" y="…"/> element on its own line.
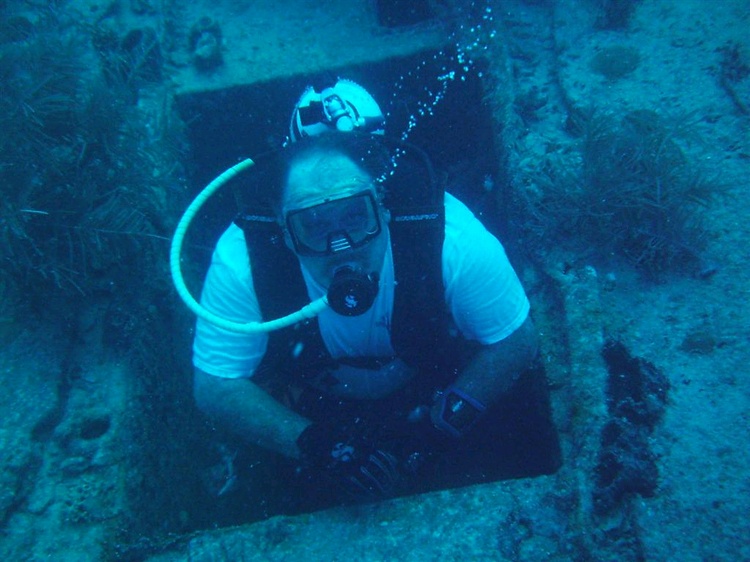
<point x="452" y="67"/>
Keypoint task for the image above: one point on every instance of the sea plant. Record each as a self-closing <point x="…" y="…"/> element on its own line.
<point x="84" y="176"/>
<point x="630" y="192"/>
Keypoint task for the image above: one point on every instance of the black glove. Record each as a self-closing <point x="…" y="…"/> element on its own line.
<point x="348" y="458"/>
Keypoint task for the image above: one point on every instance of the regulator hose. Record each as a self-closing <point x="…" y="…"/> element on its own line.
<point x="308" y="311"/>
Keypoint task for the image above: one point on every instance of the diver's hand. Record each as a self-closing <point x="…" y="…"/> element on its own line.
<point x="348" y="458"/>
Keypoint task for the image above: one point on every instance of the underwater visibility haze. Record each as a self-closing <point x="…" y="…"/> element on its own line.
<point x="604" y="142"/>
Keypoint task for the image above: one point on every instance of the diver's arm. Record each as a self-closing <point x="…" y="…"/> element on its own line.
<point x="494" y="369"/>
<point x="249" y="411"/>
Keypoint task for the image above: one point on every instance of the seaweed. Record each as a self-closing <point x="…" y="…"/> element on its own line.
<point x="129" y="62"/>
<point x="630" y="192"/>
<point x="83" y="187"/>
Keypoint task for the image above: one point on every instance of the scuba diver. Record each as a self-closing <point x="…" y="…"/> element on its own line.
<point x="421" y="371"/>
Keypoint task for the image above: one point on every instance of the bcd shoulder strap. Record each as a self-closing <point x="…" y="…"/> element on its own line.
<point x="417" y="227"/>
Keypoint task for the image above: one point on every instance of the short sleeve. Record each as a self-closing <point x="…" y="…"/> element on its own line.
<point x="228" y="292"/>
<point x="482" y="291"/>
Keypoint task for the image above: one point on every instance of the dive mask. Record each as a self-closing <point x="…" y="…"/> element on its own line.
<point x="334" y="226"/>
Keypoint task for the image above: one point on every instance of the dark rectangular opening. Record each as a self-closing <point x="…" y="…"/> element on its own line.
<point x="459" y="137"/>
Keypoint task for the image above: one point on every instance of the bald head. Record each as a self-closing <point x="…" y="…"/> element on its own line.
<point x="320" y="175"/>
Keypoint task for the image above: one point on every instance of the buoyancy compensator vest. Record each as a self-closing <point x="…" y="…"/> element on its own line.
<point x="419" y="331"/>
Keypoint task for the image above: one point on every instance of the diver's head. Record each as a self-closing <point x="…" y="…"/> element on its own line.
<point x="340" y="105"/>
<point x="330" y="207"/>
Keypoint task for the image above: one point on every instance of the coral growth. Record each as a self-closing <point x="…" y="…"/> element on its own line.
<point x="615" y="62"/>
<point x="205" y="43"/>
<point x="631" y="192"/>
<point x="636" y="398"/>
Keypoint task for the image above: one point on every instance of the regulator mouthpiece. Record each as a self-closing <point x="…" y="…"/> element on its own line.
<point x="352" y="293"/>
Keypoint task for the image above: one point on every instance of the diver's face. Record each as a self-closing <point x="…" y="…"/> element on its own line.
<point x="332" y="216"/>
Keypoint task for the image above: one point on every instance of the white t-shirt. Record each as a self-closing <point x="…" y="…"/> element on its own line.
<point x="482" y="292"/>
